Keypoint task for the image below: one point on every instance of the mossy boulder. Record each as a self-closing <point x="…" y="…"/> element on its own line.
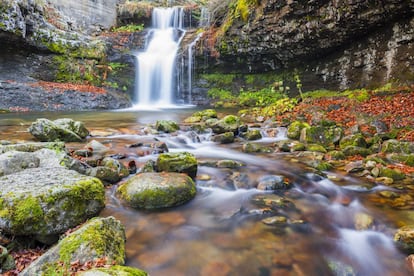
<point x="45" y="201"/>
<point x="295" y="128"/>
<point x="336" y="155"/>
<point x="224" y="138"/>
<point x="395" y="146"/>
<point x="326" y="136"/>
<point x="33" y="146"/>
<point x="407" y="159"/>
<point x="316" y="147"/>
<point x="353" y="150"/>
<point x="255" y="147"/>
<point x="157" y="190"/>
<point x="116" y="270"/>
<point x="181" y="162"/>
<point x="97" y="238"/>
<point x="110" y="170"/>
<point x="15" y="161"/>
<point x="66" y="130"/>
<point x="229" y="123"/>
<point x="6" y="260"/>
<point x="201" y="116"/>
<point x="251" y="135"/>
<point x="357" y="140"/>
<point x="391" y="173"/>
<point x="404" y="237"/>
<point x="166" y="126"/>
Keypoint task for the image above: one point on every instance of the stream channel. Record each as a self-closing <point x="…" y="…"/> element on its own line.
<point x="222" y="231"/>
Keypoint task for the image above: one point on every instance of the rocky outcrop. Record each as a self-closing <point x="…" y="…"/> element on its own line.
<point x="331" y="44"/>
<point x="98" y="238"/>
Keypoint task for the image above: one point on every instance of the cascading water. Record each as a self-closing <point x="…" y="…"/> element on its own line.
<point x="155" y="79"/>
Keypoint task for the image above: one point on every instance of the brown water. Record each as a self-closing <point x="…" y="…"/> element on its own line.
<point x="221" y="231"/>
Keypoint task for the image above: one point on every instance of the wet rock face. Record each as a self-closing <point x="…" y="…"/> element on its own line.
<point x="336" y="44"/>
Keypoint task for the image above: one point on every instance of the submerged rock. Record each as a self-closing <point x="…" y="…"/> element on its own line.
<point x="44" y="201"/>
<point x="157" y="190"/>
<point x="98" y="238"/>
<point x="66" y="130"/>
<point x="273" y="182"/>
<point x="181" y="162"/>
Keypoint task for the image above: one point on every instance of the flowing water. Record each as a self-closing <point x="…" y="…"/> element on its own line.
<point x="155" y="74"/>
<point x="221" y="231"/>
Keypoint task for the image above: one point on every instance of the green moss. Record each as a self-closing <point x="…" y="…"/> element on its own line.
<point x="337" y="155"/>
<point x="324" y="166"/>
<point x="391" y="173"/>
<point x="27" y="211"/>
<point x="182" y="162"/>
<point x="353" y="140"/>
<point x="295" y="129"/>
<point x="118" y="270"/>
<point x="316" y="147"/>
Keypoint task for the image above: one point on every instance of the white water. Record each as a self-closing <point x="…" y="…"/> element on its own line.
<point x="155" y="79"/>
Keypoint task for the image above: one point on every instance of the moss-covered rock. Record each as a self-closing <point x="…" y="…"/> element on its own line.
<point x="336" y="155"/>
<point x="110" y="170"/>
<point x="201" y="116"/>
<point x="316" y="147"/>
<point x="166" y="126"/>
<point x="407" y="159"/>
<point x="395" y="146"/>
<point x="98" y="238"/>
<point x="229" y="123"/>
<point x="391" y="173"/>
<point x="157" y="190"/>
<point x="65" y="130"/>
<point x="181" y="162"/>
<point x="45" y="201"/>
<point x="227" y="163"/>
<point x="326" y="136"/>
<point x="255" y="147"/>
<point x="33" y="146"/>
<point x="15" y="161"/>
<point x="353" y="150"/>
<point x="224" y="138"/>
<point x="404" y="237"/>
<point x="6" y="260"/>
<point x="295" y="128"/>
<point x="251" y="135"/>
<point x="357" y="140"/>
<point x="273" y="182"/>
<point x="115" y="270"/>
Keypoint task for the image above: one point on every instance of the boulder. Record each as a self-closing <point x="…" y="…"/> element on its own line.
<point x="15" y="161"/>
<point x="166" y="126"/>
<point x="404" y="237"/>
<point x="157" y="190"/>
<point x="327" y="136"/>
<point x="230" y="123"/>
<point x="224" y="138"/>
<point x="295" y="128"/>
<point x="97" y="238"/>
<point x="111" y="170"/>
<point x="201" y="116"/>
<point x="395" y="146"/>
<point x="357" y="140"/>
<point x="273" y="182"/>
<point x="114" y="270"/>
<point x="181" y="162"/>
<point x="44" y="201"/>
<point x="66" y="130"/>
<point x="251" y="135"/>
<point x="33" y="146"/>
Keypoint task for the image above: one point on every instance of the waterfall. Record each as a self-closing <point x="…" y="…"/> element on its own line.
<point x="155" y="74"/>
<point x="190" y="66"/>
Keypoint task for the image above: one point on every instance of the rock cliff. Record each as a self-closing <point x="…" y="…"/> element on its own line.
<point x="332" y="44"/>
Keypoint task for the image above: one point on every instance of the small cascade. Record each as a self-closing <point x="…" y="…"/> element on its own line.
<point x="190" y="67"/>
<point x="155" y="74"/>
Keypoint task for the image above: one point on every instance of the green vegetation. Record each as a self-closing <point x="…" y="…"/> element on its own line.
<point x="130" y="28"/>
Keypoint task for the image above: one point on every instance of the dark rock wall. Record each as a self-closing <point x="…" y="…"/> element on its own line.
<point x="333" y="44"/>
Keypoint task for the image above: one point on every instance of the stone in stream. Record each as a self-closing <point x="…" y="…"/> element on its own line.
<point x="65" y="129"/>
<point x="48" y="201"/>
<point x="273" y="182"/>
<point x="251" y="135"/>
<point x="230" y="123"/>
<point x="180" y="162"/>
<point x="223" y="138"/>
<point x="404" y="237"/>
<point x="157" y="190"/>
<point x="99" y="238"/>
<point x="110" y="170"/>
<point x="167" y="126"/>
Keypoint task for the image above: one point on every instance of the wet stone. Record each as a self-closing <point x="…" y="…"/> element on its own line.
<point x="277" y="220"/>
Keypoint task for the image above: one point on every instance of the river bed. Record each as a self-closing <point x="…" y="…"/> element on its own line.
<point x="226" y="229"/>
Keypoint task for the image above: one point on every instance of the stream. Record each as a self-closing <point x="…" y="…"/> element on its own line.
<point x="227" y="229"/>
